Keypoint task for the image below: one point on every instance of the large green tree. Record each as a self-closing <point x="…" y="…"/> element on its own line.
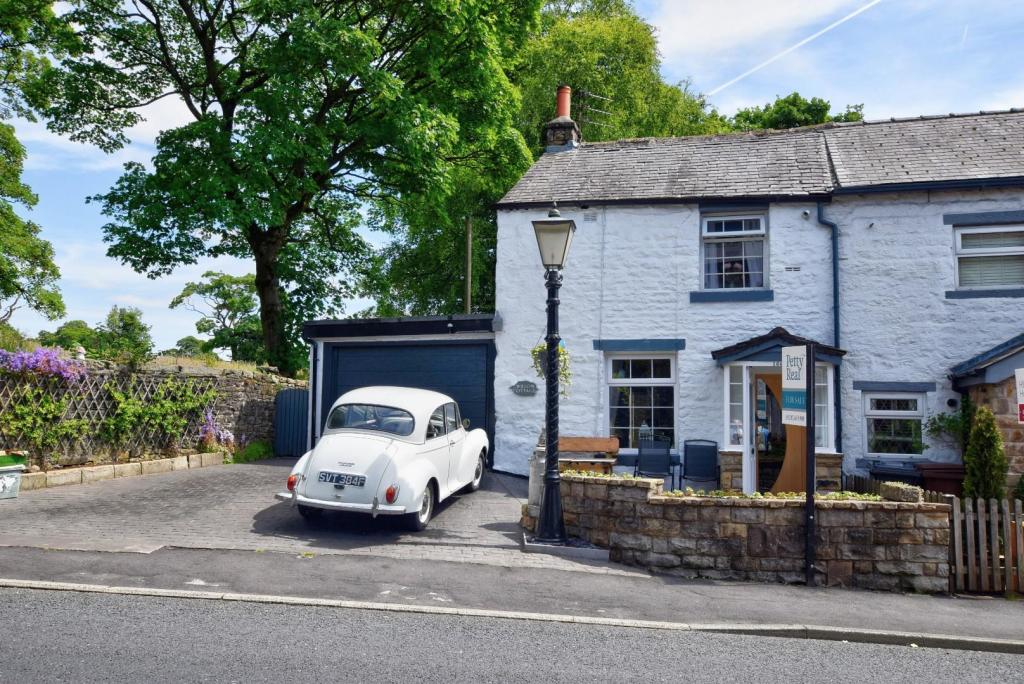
<point x="599" y="47"/>
<point x="301" y="113"/>
<point x="793" y="111"/>
<point x="28" y="274"/>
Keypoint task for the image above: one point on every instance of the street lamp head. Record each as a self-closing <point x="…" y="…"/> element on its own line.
<point x="554" y="235"/>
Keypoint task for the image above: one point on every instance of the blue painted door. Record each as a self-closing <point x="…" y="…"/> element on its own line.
<point x="291" y="421"/>
<point x="462" y="371"/>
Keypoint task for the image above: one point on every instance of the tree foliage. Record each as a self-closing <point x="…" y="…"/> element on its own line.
<point x="123" y="337"/>
<point x="605" y="49"/>
<point x="229" y="314"/>
<point x="793" y="111"/>
<point x="300" y="113"/>
<point x="28" y="274"/>
<point x="70" y="336"/>
<point x="596" y="46"/>
<point x="985" y="459"/>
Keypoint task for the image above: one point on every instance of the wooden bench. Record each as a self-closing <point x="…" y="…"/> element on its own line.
<point x="588" y="454"/>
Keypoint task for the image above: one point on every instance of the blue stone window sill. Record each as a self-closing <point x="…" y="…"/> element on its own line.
<point x="985" y="294"/>
<point x="727" y="295"/>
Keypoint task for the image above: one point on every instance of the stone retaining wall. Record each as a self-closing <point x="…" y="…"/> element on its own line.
<point x="873" y="545"/>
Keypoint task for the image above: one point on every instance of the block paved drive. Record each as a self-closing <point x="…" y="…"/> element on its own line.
<point x="233" y="507"/>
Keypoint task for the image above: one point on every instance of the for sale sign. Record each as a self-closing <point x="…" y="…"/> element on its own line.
<point x="794" y="386"/>
<point x="1019" y="376"/>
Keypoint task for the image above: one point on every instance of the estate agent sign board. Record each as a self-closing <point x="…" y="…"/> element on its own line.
<point x="1019" y="377"/>
<point x="794" y="386"/>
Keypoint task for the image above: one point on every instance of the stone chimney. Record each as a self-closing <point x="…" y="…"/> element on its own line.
<point x="562" y="133"/>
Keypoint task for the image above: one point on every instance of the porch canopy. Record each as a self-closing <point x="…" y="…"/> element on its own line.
<point x="768" y="347"/>
<point x="990" y="367"/>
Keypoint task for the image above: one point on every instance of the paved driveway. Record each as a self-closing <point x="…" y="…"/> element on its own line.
<point x="233" y="507"/>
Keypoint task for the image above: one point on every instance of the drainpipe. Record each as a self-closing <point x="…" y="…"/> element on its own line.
<point x="834" y="228"/>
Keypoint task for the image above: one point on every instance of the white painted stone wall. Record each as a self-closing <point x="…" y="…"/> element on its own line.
<point x="631" y="270"/>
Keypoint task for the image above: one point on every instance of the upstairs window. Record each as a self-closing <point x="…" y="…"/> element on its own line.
<point x="734" y="252"/>
<point x="990" y="257"/>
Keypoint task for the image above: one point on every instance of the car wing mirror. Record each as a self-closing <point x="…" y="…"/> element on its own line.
<point x="465" y="423"/>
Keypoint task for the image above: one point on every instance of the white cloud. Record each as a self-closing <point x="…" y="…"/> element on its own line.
<point x="739" y="29"/>
<point x="48" y="151"/>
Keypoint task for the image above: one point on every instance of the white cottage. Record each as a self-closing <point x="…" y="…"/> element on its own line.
<point x="897" y="246"/>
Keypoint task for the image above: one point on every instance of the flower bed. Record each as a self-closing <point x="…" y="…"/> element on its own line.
<point x="870" y="544"/>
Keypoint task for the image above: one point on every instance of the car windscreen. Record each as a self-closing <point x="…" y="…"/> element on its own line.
<point x="371" y="417"/>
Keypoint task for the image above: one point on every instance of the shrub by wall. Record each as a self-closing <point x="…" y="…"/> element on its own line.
<point x="874" y="545"/>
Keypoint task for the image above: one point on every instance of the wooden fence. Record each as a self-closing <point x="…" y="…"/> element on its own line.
<point x="986" y="541"/>
<point x="986" y="545"/>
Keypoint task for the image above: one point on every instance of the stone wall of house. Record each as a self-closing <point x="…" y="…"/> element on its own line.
<point x="828" y="468"/>
<point x="632" y="268"/>
<point x="1001" y="398"/>
<point x="244" y="404"/>
<point x="873" y="545"/>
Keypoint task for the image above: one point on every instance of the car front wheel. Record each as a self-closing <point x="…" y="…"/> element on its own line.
<point x="418" y="521"/>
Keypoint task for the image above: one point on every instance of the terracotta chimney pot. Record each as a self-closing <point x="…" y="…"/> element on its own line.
<point x="564" y="101"/>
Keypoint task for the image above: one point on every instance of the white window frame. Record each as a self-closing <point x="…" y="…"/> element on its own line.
<point x="743" y="236"/>
<point x="672" y="381"/>
<point x="920" y="414"/>
<point x="966" y="253"/>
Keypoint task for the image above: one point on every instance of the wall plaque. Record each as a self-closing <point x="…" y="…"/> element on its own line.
<point x="524" y="388"/>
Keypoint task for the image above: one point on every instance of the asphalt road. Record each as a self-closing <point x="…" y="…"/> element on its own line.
<point x="61" y="636"/>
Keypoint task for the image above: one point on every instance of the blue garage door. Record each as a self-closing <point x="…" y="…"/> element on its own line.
<point x="462" y="371"/>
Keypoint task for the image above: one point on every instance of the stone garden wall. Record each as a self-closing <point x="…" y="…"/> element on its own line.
<point x="873" y="545"/>
<point x="243" y="404"/>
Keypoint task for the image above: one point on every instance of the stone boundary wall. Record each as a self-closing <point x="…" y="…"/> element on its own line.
<point x="244" y="405"/>
<point x="872" y="545"/>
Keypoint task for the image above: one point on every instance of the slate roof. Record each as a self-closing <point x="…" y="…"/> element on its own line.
<point x="778" y="336"/>
<point x="987" y="358"/>
<point x="985" y="148"/>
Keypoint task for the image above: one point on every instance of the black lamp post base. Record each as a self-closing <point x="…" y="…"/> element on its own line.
<point x="550" y="524"/>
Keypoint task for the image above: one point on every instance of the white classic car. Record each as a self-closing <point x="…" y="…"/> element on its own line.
<point x="389" y="451"/>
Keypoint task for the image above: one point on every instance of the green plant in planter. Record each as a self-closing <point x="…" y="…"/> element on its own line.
<point x="539" y="354"/>
<point x="985" y="459"/>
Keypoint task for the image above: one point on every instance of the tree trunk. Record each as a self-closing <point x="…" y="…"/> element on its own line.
<point x="268" y="288"/>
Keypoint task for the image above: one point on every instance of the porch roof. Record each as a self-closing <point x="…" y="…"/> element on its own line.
<point x="990" y="366"/>
<point x="766" y="347"/>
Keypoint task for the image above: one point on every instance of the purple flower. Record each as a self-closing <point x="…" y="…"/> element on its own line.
<point x="44" y="362"/>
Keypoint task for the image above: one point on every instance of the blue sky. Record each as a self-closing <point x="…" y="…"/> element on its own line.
<point x="897" y="58"/>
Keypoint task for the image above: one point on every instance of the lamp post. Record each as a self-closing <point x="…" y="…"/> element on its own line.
<point x="554" y="235"/>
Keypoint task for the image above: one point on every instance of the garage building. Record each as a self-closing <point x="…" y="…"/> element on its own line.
<point x="449" y="354"/>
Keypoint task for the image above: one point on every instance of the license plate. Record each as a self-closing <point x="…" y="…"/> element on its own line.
<point x="342" y="479"/>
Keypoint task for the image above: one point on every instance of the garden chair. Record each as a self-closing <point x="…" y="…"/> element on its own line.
<point x="700" y="461"/>
<point x="654" y="459"/>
